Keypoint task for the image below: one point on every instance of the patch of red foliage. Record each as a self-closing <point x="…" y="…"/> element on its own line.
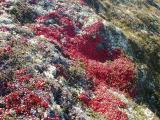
<point x="105" y="103"/>
<point x="118" y="74"/>
<point x="23" y="99"/>
<point x="7" y="49"/>
<point x="67" y="25"/>
<point x="86" y="46"/>
<point x="2" y="1"/>
<point x="49" y="32"/>
<point x="106" y="68"/>
<point x="4" y="29"/>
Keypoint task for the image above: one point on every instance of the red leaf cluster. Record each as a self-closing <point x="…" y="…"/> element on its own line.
<point x="23" y="98"/>
<point x="105" y="103"/>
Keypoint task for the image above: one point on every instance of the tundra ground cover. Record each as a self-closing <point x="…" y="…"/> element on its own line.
<point x="62" y="65"/>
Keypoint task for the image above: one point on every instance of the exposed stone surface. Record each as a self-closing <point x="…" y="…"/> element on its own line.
<point x="79" y="60"/>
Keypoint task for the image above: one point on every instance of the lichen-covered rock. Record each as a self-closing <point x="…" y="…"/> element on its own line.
<point x="59" y="60"/>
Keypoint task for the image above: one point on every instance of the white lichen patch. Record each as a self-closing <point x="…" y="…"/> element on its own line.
<point x="50" y="72"/>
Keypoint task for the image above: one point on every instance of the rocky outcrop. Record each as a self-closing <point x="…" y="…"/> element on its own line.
<point x="60" y="59"/>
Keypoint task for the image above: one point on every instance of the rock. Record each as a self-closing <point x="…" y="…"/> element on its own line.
<point x="83" y="59"/>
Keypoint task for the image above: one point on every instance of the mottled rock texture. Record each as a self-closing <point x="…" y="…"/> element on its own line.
<point x="79" y="59"/>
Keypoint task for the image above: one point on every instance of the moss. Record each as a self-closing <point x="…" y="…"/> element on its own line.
<point x="150" y="21"/>
<point x="145" y="44"/>
<point x="139" y="113"/>
<point x="10" y="117"/>
<point x="23" y="13"/>
<point x="77" y="69"/>
<point x="94" y="115"/>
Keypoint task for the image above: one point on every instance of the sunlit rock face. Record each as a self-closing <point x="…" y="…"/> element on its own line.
<point x="83" y="59"/>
